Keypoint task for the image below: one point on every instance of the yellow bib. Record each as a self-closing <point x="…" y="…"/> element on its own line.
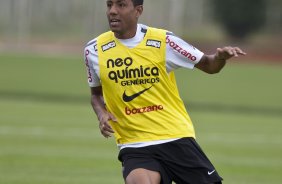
<point x="138" y="91"/>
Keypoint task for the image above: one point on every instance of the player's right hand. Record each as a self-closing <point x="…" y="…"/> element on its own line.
<point x="104" y="125"/>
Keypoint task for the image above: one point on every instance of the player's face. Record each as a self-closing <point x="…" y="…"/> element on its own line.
<point x="123" y="17"/>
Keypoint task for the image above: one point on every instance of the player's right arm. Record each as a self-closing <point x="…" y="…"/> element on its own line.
<point x="97" y="102"/>
<point x="103" y="115"/>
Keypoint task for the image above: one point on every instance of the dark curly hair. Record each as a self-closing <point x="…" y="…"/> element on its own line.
<point x="137" y="2"/>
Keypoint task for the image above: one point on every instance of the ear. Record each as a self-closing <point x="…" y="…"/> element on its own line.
<point x="139" y="10"/>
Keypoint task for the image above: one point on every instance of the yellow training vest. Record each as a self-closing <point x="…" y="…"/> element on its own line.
<point x="138" y="91"/>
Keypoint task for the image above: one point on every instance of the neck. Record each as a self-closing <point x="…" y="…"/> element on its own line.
<point x="126" y="35"/>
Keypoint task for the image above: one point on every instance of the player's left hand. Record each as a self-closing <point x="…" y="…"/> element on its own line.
<point x="226" y="53"/>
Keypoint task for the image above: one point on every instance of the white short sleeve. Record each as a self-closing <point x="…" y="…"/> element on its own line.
<point x="180" y="53"/>
<point x="91" y="62"/>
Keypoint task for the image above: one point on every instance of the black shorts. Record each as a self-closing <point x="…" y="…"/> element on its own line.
<point x="181" y="161"/>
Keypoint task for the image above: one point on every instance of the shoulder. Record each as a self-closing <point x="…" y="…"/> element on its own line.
<point x="181" y="48"/>
<point x="143" y="27"/>
<point x="174" y="41"/>
<point x="155" y="34"/>
<point x="91" y="49"/>
<point x="157" y="31"/>
<point x="91" y="45"/>
<point x="91" y="42"/>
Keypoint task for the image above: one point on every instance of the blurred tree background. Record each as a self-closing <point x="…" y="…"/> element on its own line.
<point x="240" y="18"/>
<point x="32" y="24"/>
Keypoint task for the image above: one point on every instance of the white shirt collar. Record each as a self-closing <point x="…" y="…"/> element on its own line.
<point x="132" y="42"/>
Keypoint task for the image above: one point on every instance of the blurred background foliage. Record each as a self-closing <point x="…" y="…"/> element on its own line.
<point x="240" y="18"/>
<point x="23" y="21"/>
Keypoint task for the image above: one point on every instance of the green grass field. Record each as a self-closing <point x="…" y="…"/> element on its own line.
<point x="49" y="134"/>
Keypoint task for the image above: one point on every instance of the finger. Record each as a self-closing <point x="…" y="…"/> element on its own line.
<point x="239" y="51"/>
<point x="229" y="51"/>
<point x="105" y="127"/>
<point x="106" y="133"/>
<point x="109" y="129"/>
<point x="113" y="118"/>
<point x="234" y="52"/>
<point x="219" y="50"/>
<point x="222" y="53"/>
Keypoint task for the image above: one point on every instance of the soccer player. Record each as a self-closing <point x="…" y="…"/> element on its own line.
<point x="135" y="97"/>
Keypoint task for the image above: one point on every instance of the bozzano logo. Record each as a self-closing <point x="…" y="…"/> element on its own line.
<point x="142" y="110"/>
<point x="180" y="50"/>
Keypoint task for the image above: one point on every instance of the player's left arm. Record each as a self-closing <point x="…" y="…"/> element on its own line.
<point x="214" y="63"/>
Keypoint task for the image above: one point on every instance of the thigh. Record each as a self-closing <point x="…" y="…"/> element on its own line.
<point x="138" y="163"/>
<point x="143" y="176"/>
